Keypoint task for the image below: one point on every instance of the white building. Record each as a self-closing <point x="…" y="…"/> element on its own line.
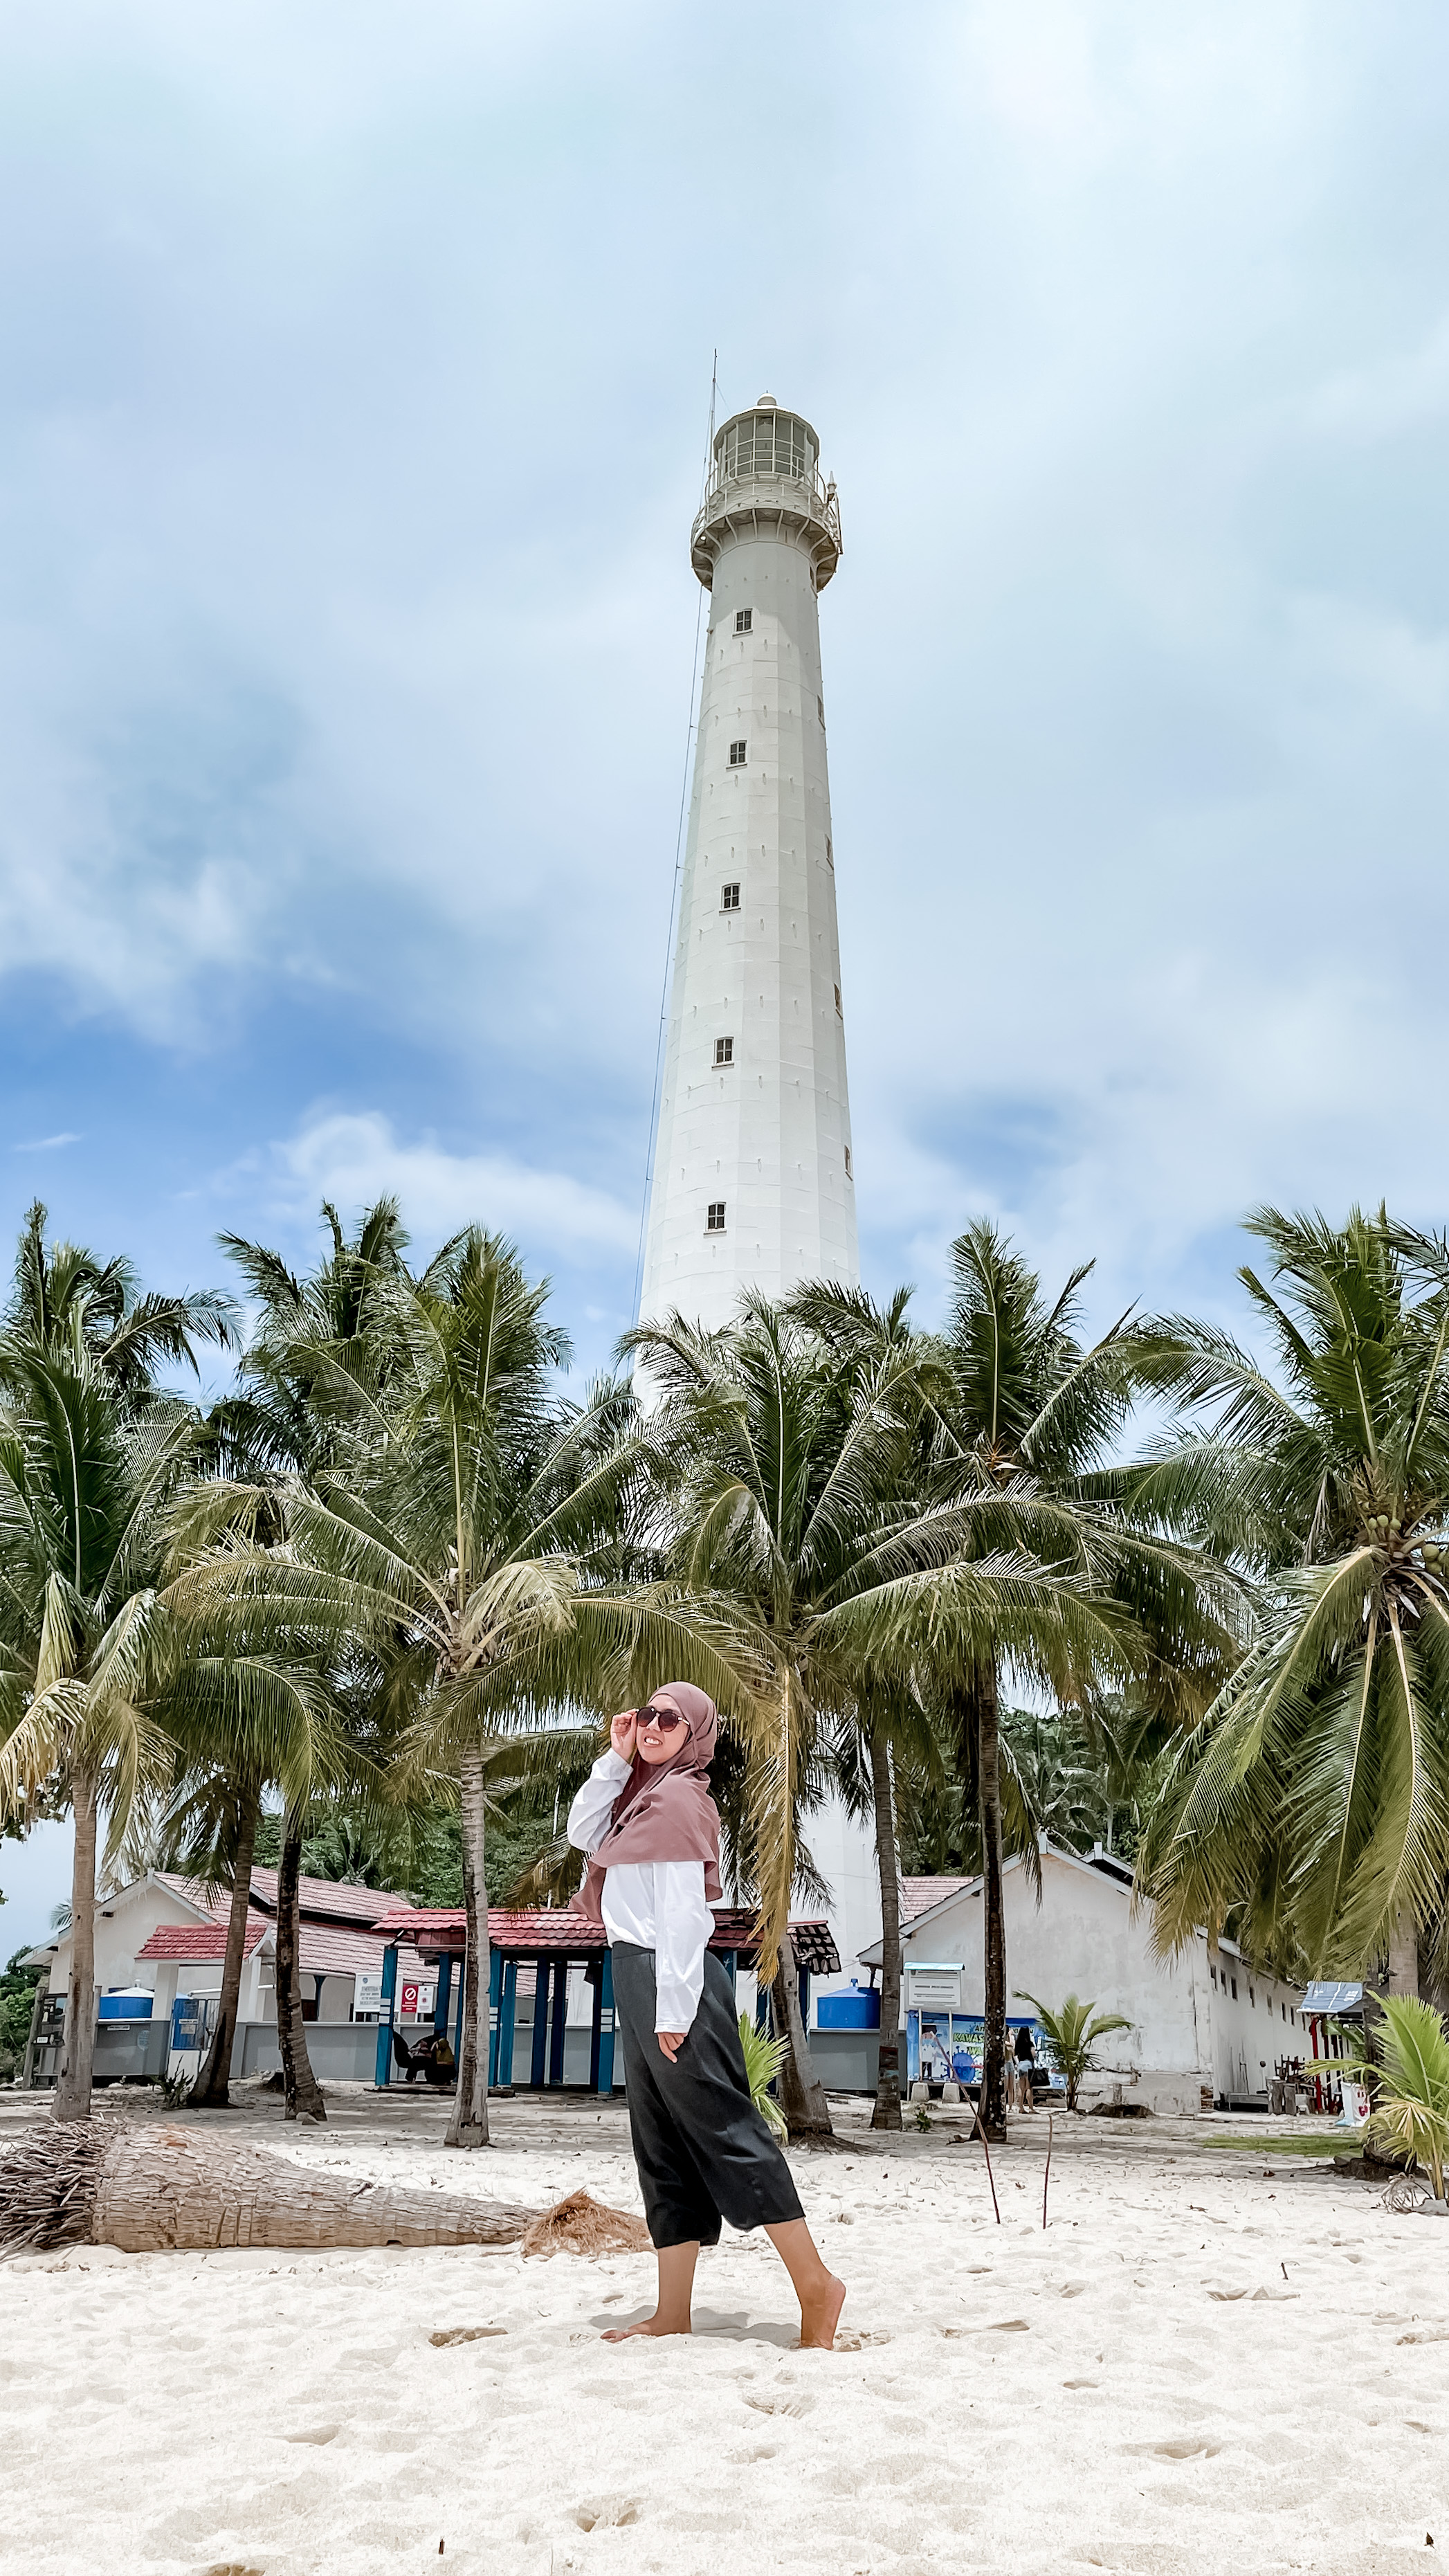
<point x="162" y="1938"/>
<point x="1203" y="2025"/>
<point x="753" y="1181"/>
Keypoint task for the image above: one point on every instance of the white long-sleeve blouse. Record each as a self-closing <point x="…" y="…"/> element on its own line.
<point x="657" y="1904"/>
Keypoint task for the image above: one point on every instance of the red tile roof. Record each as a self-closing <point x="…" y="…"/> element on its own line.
<point x="325" y="1950"/>
<point x="191" y="1941"/>
<point x="442" y="1927"/>
<point x="918" y="1895"/>
<point x="334" y="1899"/>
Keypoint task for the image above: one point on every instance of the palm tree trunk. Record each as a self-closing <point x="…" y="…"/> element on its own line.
<point x="802" y="2095"/>
<point x="1404" y="1954"/>
<point x="73" y="2083"/>
<point x="988" y="1773"/>
<point x="301" y="2091"/>
<point x="887" y="2112"/>
<point x="211" y="2090"/>
<point x="468" y="2126"/>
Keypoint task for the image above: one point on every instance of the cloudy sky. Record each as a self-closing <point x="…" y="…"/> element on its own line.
<point x="356" y="376"/>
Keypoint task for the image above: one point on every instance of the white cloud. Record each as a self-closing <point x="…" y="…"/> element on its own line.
<point x="46" y="1144"/>
<point x="355" y="1158"/>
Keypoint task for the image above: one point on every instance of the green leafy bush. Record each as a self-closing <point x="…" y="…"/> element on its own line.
<point x="763" y="2060"/>
<point x="1071" y="2034"/>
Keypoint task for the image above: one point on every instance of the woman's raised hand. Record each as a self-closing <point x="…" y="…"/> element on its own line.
<point x="623" y="1733"/>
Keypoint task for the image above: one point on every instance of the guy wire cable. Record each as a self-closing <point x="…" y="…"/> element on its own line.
<point x="678" y="864"/>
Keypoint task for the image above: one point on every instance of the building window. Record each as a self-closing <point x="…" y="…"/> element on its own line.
<point x="744" y="620"/>
<point x="1212" y="1972"/>
<point x="847" y="1163"/>
<point x="737" y="755"/>
<point x="1235" y="1990"/>
<point x="714" y="1223"/>
<point x="1283" y="2012"/>
<point x="729" y="898"/>
<point x="724" y="1050"/>
<point x="1252" y="1998"/>
<point x="837" y="1002"/>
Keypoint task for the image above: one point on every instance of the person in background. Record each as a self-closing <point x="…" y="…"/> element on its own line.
<point x="1025" y="2061"/>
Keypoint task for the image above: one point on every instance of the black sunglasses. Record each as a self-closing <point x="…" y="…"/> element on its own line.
<point x="666" y="1719"/>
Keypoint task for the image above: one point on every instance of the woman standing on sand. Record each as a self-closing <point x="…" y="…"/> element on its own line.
<point x="651" y="1831"/>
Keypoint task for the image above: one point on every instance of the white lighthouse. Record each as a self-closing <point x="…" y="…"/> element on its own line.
<point x="753" y="1184"/>
<point x="753" y="1181"/>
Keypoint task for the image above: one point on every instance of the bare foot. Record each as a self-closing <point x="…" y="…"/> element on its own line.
<point x="819" y="2319"/>
<point x="650" y="2326"/>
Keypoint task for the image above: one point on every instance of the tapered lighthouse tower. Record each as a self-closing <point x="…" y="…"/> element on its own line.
<point x="753" y="1184"/>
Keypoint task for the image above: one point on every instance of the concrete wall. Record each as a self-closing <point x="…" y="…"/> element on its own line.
<point x="1252" y="2029"/>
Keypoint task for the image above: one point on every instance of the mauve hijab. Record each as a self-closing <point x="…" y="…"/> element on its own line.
<point x="664" y="1810"/>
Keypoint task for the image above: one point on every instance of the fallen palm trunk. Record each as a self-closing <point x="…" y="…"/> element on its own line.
<point x="158" y="2190"/>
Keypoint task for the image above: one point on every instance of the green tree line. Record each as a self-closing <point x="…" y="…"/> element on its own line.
<point x="364" y="1616"/>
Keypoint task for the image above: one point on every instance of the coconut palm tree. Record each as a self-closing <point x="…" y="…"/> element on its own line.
<point x="458" y="1534"/>
<point x="1312" y="1803"/>
<point x="785" y="1456"/>
<point x="84" y="1482"/>
<point x="255" y="1721"/>
<point x="1021" y="1442"/>
<point x="64" y="1299"/>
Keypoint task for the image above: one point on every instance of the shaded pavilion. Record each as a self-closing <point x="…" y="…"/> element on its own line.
<point x="551" y="1940"/>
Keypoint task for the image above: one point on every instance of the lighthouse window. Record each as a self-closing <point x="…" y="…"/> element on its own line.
<point x="714" y="1223"/>
<point x="837" y="1001"/>
<point x="744" y="621"/>
<point x="820" y="702"/>
<point x="729" y="898"/>
<point x="829" y="853"/>
<point x="724" y="1050"/>
<point x="737" y="755"/>
<point x="848" y="1172"/>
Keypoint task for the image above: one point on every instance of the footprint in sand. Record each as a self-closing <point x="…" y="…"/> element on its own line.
<point x="607" y="2513"/>
<point x="319" y="2434"/>
<point x="464" y="2334"/>
<point x="1192" y="2446"/>
<point x="781" y="2405"/>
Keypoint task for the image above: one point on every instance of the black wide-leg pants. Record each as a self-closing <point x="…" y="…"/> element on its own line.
<point x="702" y="2149"/>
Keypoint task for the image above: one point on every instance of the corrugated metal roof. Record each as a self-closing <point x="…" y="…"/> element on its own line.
<point x="1325" y="1997"/>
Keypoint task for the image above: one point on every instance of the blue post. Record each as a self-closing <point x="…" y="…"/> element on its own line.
<point x="762" y="2004"/>
<point x="462" y="1999"/>
<point x="596" y="2034"/>
<point x="560" y="2008"/>
<point x="445" y="1988"/>
<point x="510" y="2021"/>
<point x="541" y="1969"/>
<point x="606" y="2027"/>
<point x="495" y="1996"/>
<point x="384" y="2027"/>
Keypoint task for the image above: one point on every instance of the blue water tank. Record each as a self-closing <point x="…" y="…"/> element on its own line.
<point x="127" y="2003"/>
<point x="857" y="2010"/>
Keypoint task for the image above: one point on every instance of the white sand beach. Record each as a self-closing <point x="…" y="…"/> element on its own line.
<point x="1207" y="2361"/>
